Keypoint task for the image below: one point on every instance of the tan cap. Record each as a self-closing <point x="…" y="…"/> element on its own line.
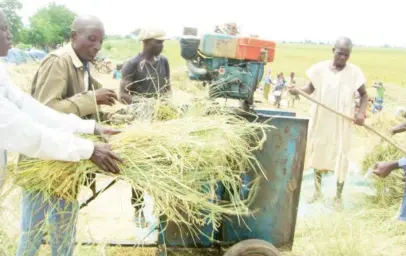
<point x="152" y="33"/>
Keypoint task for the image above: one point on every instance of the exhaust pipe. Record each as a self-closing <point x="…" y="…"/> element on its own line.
<point x="195" y="70"/>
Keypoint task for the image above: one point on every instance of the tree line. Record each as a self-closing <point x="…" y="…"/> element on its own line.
<point x="49" y="26"/>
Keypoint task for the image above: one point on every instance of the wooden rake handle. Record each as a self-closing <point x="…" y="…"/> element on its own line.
<point x="369" y="128"/>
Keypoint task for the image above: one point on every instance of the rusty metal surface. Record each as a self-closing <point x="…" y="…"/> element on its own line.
<point x="278" y="197"/>
<point x="277" y="201"/>
<point x="175" y="235"/>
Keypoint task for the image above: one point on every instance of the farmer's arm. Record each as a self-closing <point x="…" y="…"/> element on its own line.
<point x="20" y="133"/>
<point x="51" y="87"/>
<point x="364" y="99"/>
<point x="399" y="128"/>
<point x="127" y="81"/>
<point x="46" y="116"/>
<point x="168" y="73"/>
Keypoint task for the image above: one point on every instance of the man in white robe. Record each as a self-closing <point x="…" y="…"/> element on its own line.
<point x="334" y="83"/>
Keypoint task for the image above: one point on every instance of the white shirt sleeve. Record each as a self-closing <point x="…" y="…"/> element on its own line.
<point x="44" y="134"/>
<point x="45" y="115"/>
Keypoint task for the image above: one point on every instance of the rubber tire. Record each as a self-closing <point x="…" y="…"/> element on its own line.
<point x="253" y="247"/>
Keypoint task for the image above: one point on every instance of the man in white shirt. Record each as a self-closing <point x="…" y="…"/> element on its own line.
<point x="32" y="129"/>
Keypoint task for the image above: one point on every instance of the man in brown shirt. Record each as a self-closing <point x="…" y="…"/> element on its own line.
<point x="65" y="81"/>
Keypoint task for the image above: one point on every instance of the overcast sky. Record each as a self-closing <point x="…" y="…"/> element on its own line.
<point x="370" y="22"/>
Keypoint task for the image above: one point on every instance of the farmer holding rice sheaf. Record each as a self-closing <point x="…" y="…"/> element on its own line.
<point x="383" y="169"/>
<point x="64" y="82"/>
<point x="146" y="75"/>
<point x="334" y="84"/>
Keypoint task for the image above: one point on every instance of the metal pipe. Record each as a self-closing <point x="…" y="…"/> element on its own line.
<point x="195" y="70"/>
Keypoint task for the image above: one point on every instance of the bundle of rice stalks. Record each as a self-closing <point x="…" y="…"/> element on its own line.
<point x="146" y="109"/>
<point x="152" y="109"/>
<point x="389" y="189"/>
<point x="180" y="163"/>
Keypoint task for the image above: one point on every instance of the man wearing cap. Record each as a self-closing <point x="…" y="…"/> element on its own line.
<point x="145" y="75"/>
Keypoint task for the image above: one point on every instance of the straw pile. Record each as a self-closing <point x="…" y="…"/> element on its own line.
<point x="389" y="189"/>
<point x="178" y="162"/>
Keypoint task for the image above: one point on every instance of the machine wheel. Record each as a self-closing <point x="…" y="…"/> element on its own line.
<point x="253" y="247"/>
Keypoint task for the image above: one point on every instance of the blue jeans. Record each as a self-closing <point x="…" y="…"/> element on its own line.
<point x="62" y="217"/>
<point x="402" y="214"/>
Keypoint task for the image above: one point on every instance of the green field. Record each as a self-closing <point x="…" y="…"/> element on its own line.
<point x="388" y="65"/>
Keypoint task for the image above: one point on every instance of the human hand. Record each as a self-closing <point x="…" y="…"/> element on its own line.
<point x="106" y="97"/>
<point x="102" y="131"/>
<point x="105" y="130"/>
<point x="121" y="119"/>
<point x="293" y="89"/>
<point x="106" y="159"/>
<point x="359" y="118"/>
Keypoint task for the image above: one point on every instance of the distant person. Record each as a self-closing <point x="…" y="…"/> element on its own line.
<point x="292" y="97"/>
<point x="267" y="84"/>
<point x="117" y="72"/>
<point x="147" y="75"/>
<point x="333" y="83"/>
<point x="378" y="102"/>
<point x="278" y="89"/>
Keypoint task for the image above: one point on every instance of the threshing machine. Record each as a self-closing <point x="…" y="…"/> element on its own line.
<point x="232" y="66"/>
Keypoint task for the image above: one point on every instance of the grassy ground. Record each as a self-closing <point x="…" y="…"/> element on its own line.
<point x="366" y="230"/>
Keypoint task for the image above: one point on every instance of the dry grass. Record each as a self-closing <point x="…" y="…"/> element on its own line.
<point x="368" y="231"/>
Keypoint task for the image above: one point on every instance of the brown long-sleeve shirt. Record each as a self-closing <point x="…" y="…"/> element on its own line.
<point x="59" y="83"/>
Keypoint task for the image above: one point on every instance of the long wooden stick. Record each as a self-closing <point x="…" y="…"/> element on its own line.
<point x="369" y="128"/>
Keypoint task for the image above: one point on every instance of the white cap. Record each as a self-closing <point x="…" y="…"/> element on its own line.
<point x="152" y="33"/>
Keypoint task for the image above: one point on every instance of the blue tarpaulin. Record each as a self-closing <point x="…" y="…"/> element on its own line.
<point x="36" y="54"/>
<point x="17" y="56"/>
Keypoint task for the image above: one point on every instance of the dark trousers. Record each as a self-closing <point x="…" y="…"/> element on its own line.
<point x="136" y="198"/>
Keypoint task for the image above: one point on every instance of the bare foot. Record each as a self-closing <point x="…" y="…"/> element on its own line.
<point x="383" y="169"/>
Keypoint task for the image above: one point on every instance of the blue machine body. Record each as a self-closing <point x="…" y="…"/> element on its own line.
<point x="278" y="197"/>
<point x="227" y="77"/>
<point x="236" y="80"/>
